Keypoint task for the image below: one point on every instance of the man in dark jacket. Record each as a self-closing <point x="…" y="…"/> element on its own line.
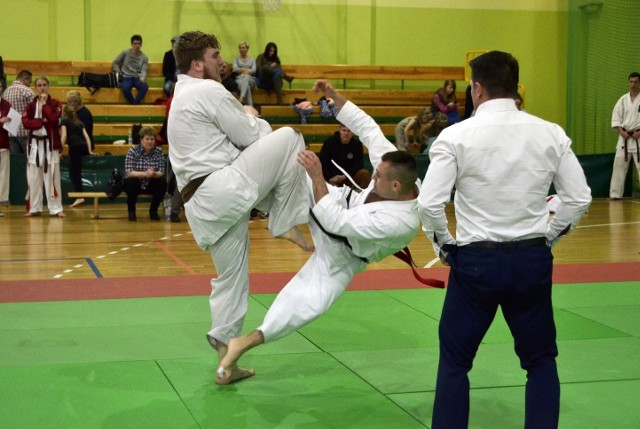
<point x="346" y="150"/>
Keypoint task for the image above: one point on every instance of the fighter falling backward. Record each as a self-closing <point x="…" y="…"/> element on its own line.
<point x="349" y="229"/>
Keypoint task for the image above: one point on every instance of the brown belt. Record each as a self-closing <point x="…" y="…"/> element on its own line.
<point x="191" y="188"/>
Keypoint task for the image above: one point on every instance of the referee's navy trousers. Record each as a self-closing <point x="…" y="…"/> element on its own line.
<point x="518" y="279"/>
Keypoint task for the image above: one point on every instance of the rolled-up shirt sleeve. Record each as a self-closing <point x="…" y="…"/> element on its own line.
<point x="571" y="186"/>
<point x="440" y="179"/>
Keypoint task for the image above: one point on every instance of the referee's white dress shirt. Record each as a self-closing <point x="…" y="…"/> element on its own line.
<point x="502" y="162"/>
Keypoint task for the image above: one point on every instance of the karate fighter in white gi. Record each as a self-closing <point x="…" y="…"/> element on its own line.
<point x="625" y="120"/>
<point x="349" y="229"/>
<point x="226" y="162"/>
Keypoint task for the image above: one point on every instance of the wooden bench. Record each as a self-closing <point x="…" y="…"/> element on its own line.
<point x="345" y="72"/>
<point x="96" y="199"/>
<point x="342" y="72"/>
<point x="361" y="97"/>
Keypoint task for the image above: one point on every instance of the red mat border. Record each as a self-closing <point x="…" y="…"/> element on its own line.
<point x="190" y="285"/>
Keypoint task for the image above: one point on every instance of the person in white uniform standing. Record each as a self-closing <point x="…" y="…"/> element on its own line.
<point x="226" y="162"/>
<point x="502" y="162"/>
<point x="349" y="230"/>
<point x="626" y="121"/>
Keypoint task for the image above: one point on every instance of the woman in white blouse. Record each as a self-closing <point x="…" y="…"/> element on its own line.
<point x="244" y="67"/>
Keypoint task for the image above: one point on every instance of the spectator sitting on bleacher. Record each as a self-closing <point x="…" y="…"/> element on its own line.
<point x="270" y="73"/>
<point x="74" y="134"/>
<point x="132" y="65"/>
<point x="432" y="130"/>
<point x="19" y="95"/>
<point x="244" y="68"/>
<point x="444" y="100"/>
<point x="413" y="124"/>
<point x="170" y="69"/>
<point x="228" y="80"/>
<point x="144" y="168"/>
<point x="346" y="150"/>
<point x="74" y="99"/>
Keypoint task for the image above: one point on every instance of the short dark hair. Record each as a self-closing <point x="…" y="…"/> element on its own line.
<point x="23" y="74"/>
<point x="136" y="37"/>
<point x="634" y="74"/>
<point x="497" y="72"/>
<point x="404" y="168"/>
<point x="147" y="130"/>
<point x="191" y="46"/>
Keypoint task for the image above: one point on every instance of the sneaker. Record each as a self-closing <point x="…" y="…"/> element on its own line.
<point x="175" y="218"/>
<point x="154" y="216"/>
<point x="264" y="215"/>
<point x="254" y="214"/>
<point x="132" y="216"/>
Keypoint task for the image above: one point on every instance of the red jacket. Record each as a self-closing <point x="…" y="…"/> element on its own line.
<point x="4" y="134"/>
<point x="51" y="111"/>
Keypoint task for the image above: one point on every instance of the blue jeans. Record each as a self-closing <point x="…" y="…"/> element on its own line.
<point x="519" y="281"/>
<point x="129" y="82"/>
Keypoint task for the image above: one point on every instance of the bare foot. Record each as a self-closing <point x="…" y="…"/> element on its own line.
<point x="229" y="371"/>
<point x="30" y="214"/>
<point x="60" y="214"/>
<point x="77" y="202"/>
<point x="296" y="237"/>
<point x="233" y="374"/>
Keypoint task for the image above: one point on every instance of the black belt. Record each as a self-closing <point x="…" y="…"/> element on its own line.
<point x="336" y="237"/>
<point x="519" y="244"/>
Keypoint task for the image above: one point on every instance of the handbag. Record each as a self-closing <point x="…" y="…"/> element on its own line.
<point x="94" y="81"/>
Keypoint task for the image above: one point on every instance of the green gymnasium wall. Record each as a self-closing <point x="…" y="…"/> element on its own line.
<point x="603" y="51"/>
<point x="384" y="32"/>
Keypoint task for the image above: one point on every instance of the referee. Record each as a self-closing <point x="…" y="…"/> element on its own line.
<point x="502" y="163"/>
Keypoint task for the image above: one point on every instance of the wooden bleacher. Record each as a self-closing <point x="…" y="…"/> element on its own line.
<point x="300" y="71"/>
<point x="113" y="116"/>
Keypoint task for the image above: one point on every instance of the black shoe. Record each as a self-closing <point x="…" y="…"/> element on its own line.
<point x="175" y="218"/>
<point x="132" y="216"/>
<point x="154" y="216"/>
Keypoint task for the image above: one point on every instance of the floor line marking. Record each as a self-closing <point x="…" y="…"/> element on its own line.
<point x="94" y="268"/>
<point x="607" y="224"/>
<point x="174" y="257"/>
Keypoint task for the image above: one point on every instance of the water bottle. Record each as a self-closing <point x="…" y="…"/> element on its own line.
<point x="166" y="206"/>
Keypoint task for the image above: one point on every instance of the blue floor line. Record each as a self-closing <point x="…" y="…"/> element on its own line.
<point x="94" y="268"/>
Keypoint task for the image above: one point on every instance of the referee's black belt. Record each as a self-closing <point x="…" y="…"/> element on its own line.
<point x="518" y="244"/>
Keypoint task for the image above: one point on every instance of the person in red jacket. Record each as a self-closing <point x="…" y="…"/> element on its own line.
<point x="5" y="152"/>
<point x="41" y="119"/>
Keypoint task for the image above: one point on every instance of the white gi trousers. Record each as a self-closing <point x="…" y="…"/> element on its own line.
<point x="272" y="163"/>
<point x="36" y="176"/>
<point x="620" y="168"/>
<point x="5" y="158"/>
<point x="318" y="284"/>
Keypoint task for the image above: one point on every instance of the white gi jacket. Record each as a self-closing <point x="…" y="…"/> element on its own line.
<point x="375" y="230"/>
<point x="626" y="114"/>
<point x="502" y="162"/>
<point x="207" y="129"/>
